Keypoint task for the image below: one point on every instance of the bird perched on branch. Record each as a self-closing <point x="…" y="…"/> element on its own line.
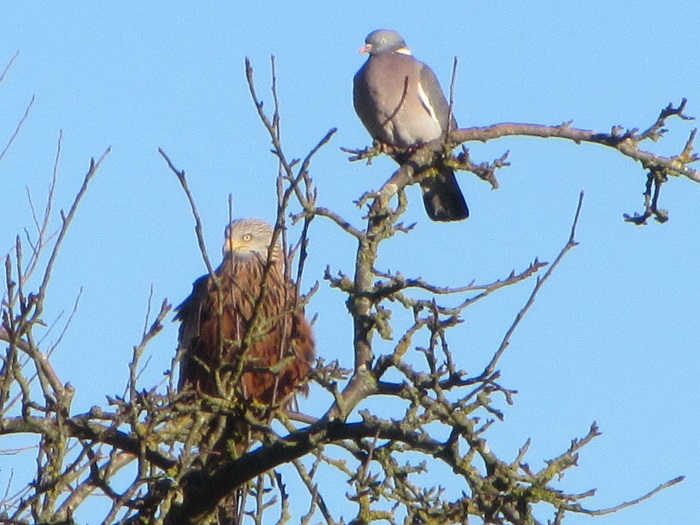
<point x="400" y="102"/>
<point x="243" y="338"/>
<point x="246" y="337"/>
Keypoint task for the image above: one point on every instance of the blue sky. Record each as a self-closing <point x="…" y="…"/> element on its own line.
<point x="612" y="337"/>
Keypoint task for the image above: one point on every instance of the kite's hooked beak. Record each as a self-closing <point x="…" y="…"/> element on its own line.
<point x="232" y="246"/>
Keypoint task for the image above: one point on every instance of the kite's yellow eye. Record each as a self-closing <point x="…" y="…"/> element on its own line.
<point x="247" y="237"/>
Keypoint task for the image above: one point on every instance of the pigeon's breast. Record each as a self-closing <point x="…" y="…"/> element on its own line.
<point x="390" y="103"/>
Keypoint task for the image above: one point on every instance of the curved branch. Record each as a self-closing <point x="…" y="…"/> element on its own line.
<point x="203" y="492"/>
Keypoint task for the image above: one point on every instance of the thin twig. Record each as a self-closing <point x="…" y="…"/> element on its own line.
<point x="626" y="504"/>
<point x="17" y="128"/>
<point x="7" y="67"/>
<point x="571" y="243"/>
<point x="66" y="220"/>
<point x="199" y="231"/>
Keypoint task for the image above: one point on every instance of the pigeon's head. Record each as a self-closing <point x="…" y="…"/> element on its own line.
<point x="384" y="41"/>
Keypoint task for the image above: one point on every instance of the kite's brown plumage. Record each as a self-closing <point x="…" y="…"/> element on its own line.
<point x="277" y="357"/>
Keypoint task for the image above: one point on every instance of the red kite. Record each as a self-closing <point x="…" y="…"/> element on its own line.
<point x="270" y="363"/>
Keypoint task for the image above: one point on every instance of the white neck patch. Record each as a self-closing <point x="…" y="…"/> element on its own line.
<point x="404" y="51"/>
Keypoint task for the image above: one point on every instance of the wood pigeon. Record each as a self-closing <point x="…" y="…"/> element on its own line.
<point x="400" y="102"/>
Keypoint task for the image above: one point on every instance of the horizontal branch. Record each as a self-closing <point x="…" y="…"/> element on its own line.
<point x="626" y="142"/>
<point x="83" y="428"/>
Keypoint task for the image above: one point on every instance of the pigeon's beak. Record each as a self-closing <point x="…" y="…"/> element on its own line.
<point x="366" y="48"/>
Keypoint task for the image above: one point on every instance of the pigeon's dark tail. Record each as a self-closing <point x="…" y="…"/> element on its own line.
<point x="442" y="197"/>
